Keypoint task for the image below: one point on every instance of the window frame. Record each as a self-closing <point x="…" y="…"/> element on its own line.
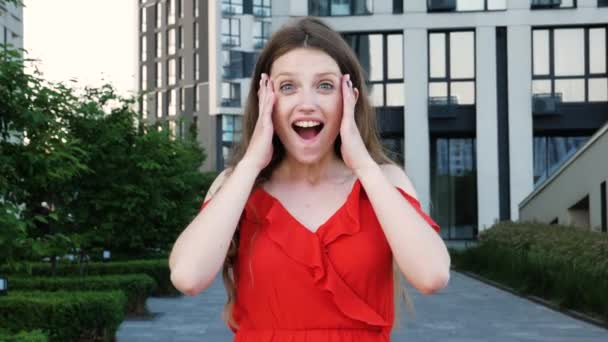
<point x="447" y="79"/>
<point x="485" y="8"/>
<point x="551" y="77"/>
<point x="231" y="35"/>
<point x="385" y="80"/>
<point x="350" y="14"/>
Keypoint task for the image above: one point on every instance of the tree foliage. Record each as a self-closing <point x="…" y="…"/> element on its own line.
<point x="113" y="182"/>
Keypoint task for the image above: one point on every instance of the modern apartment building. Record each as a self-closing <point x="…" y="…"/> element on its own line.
<point x="11" y="25"/>
<point x="196" y="57"/>
<point x="481" y="100"/>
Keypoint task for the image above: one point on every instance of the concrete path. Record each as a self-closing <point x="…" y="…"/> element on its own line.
<point x="465" y="311"/>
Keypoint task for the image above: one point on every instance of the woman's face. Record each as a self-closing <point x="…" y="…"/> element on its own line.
<point x="308" y="108"/>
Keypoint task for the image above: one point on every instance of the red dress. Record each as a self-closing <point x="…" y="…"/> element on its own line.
<point x="335" y="284"/>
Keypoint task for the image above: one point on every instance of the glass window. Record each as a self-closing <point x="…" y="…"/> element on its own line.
<point x="159" y="74"/>
<point x="180" y="66"/>
<point x="159" y="105"/>
<point x="144" y="25"/>
<point x="261" y="33"/>
<point x="540" y="41"/>
<point x="195" y="35"/>
<point x="395" y="95"/>
<point x="143" y="49"/>
<point x="180" y="37"/>
<point x="180" y="8"/>
<point x="171" y="41"/>
<point x="571" y="89"/>
<point x="172" y="94"/>
<point x="232" y="7"/>
<point x="395" y="55"/>
<point x="466" y="5"/>
<point x="381" y="56"/>
<point x="182" y="100"/>
<point x="231" y="32"/>
<point x="550" y="152"/>
<point x="196" y="98"/>
<point x="339" y="7"/>
<point x="462" y="55"/>
<point x="437" y="54"/>
<point x="196" y="69"/>
<point x="171" y="71"/>
<point x="231" y="94"/>
<point x="144" y="78"/>
<point x="453" y="166"/>
<point x="549" y="4"/>
<point x="569" y="52"/>
<point x="262" y="8"/>
<point x="598" y="89"/>
<point x="597" y="51"/>
<point x="456" y="87"/>
<point x="195" y="4"/>
<point x="159" y="18"/>
<point x="159" y="44"/>
<point x="561" y="71"/>
<point x="144" y="107"/>
<point x="171" y="12"/>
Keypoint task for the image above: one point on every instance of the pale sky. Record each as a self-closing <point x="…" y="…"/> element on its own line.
<point x="89" y="40"/>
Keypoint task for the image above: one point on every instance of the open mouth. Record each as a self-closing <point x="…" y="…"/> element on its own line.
<point x="308" y="130"/>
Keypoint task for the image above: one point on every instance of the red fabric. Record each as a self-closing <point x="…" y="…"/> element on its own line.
<point x="335" y="284"/>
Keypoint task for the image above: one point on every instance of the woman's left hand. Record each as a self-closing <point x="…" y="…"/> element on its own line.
<point x="354" y="152"/>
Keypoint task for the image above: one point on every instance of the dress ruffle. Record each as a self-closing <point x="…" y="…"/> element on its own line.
<point x="311" y="250"/>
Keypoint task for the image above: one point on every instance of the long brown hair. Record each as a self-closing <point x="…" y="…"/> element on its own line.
<point x="305" y="33"/>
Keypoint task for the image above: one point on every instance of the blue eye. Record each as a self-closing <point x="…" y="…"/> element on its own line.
<point x="286" y="87"/>
<point x="326" y="86"/>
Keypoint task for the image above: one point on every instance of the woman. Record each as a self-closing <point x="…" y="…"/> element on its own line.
<point x="311" y="215"/>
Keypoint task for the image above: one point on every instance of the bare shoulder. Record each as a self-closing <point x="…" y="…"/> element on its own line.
<point x="217" y="183"/>
<point x="397" y="176"/>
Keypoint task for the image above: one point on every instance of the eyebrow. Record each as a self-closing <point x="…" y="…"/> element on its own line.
<point x="317" y="74"/>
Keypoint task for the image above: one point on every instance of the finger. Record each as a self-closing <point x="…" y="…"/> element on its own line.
<point x="269" y="98"/>
<point x="348" y="95"/>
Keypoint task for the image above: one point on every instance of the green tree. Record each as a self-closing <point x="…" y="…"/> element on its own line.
<point x="113" y="182"/>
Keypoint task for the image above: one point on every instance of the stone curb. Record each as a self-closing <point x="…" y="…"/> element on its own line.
<point x="538" y="300"/>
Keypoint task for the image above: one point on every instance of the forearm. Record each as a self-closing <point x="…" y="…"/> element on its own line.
<point x="200" y="250"/>
<point x="418" y="250"/>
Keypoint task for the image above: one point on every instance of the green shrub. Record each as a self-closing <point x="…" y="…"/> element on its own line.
<point x="565" y="265"/>
<point x="23" y="336"/>
<point x="157" y="269"/>
<point x="66" y="316"/>
<point x="137" y="287"/>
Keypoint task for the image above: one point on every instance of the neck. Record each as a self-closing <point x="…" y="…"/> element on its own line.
<point x="329" y="167"/>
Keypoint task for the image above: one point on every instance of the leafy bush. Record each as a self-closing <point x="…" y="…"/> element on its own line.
<point x="157" y="269"/>
<point x="66" y="316"/>
<point x="23" y="336"/>
<point x="137" y="287"/>
<point x="565" y="265"/>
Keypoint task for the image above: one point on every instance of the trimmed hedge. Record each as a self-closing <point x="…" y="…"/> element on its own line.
<point x="67" y="316"/>
<point x="157" y="269"/>
<point x="137" y="287"/>
<point x="23" y="336"/>
<point x="562" y="264"/>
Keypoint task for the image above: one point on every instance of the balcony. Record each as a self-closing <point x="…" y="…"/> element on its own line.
<point x="441" y="5"/>
<point x="545" y="4"/>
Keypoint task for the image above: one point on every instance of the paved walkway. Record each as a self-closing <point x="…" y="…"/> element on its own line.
<point x="465" y="311"/>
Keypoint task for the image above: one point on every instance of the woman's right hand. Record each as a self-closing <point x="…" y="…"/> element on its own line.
<point x="259" y="151"/>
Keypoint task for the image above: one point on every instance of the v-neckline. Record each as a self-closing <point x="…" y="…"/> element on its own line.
<point x="322" y="225"/>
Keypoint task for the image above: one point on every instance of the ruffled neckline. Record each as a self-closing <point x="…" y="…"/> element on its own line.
<point x="312" y="249"/>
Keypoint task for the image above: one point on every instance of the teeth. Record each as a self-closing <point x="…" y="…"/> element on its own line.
<point x="307" y="123"/>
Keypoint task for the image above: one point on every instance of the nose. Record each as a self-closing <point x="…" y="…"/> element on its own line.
<point x="308" y="100"/>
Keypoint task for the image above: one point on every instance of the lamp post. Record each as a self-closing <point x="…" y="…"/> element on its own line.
<point x="106" y="255"/>
<point x="3" y="286"/>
